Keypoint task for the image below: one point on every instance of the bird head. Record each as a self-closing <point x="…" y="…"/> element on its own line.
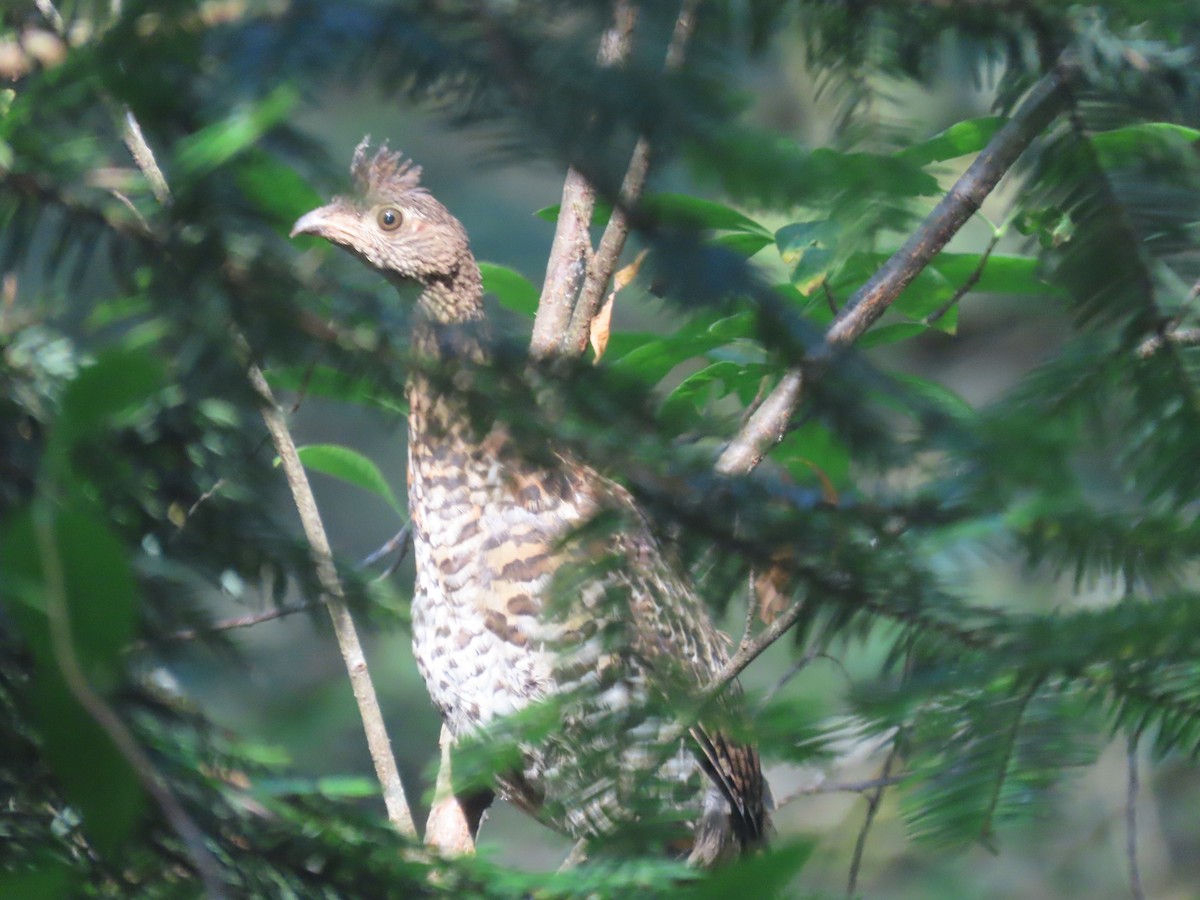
<point x="391" y="222"/>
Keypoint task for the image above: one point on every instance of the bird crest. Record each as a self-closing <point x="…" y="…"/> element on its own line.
<point x="384" y="173"/>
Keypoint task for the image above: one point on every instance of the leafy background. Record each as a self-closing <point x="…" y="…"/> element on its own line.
<point x="988" y="512"/>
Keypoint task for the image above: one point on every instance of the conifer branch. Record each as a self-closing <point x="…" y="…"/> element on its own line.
<point x="771" y="420"/>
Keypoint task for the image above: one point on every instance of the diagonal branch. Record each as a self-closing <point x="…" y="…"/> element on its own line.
<point x="770" y="421"/>
<point x="343" y="624"/>
<point x="335" y="600"/>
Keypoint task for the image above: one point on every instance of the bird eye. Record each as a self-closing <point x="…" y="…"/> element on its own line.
<point x="389" y="218"/>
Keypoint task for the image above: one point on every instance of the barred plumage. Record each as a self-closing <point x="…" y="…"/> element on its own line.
<point x="511" y="605"/>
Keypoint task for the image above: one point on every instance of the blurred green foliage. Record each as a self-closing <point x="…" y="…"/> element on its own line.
<point x="136" y="485"/>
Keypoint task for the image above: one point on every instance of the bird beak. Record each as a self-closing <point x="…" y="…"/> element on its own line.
<point x="314" y="222"/>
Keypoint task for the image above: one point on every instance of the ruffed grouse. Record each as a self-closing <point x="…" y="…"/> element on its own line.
<point x="516" y="601"/>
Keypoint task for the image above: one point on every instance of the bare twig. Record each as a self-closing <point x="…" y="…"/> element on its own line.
<point x="965" y="288"/>
<point x="841" y="787"/>
<point x="310" y="518"/>
<point x="1180" y="337"/>
<point x="1131" y="829"/>
<point x="602" y="264"/>
<point x="51" y="14"/>
<point x="231" y="624"/>
<point x="750" y="650"/>
<point x="63" y="643"/>
<point x="343" y="624"/>
<point x="794" y="669"/>
<point x="769" y="423"/>
<point x="575" y="276"/>
<point x="400" y="540"/>
<point x="571" y="251"/>
<point x="144" y="157"/>
<point x="873" y="803"/>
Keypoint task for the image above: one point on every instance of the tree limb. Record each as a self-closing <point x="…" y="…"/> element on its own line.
<point x="770" y="422"/>
<point x="575" y="276"/>
<point x="571" y="250"/>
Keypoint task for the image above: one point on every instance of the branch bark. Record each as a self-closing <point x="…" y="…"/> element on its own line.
<point x="571" y="250"/>
<point x="335" y="600"/>
<point x="575" y="275"/>
<point x="770" y="422"/>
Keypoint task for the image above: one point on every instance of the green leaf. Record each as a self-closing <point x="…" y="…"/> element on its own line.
<point x="213" y="146"/>
<point x="95" y="595"/>
<point x="937" y="395"/>
<point x="696" y="212"/>
<point x="96" y="581"/>
<point x="349" y="466"/>
<point x="813" y="453"/>
<point x="51" y="880"/>
<point x="1133" y="143"/>
<point x="600" y="213"/>
<point x="958" y="140"/>
<point x="1003" y="274"/>
<point x="511" y="288"/>
<point x="113" y="392"/>
<point x="652" y="360"/>
<point x="891" y="333"/>
<point x="747" y="243"/>
<point x="692" y="391"/>
<point x="796" y="239"/>
<point x="278" y="191"/>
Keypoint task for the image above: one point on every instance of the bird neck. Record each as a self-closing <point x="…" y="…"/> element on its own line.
<point x="454" y="298"/>
<point x="449" y="351"/>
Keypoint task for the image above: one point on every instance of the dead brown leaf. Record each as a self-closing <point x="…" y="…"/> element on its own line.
<point x="602" y="323"/>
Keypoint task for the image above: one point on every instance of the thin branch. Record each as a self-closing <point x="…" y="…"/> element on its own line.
<point x="1180" y="337"/>
<point x="576" y="277"/>
<point x="401" y="539"/>
<point x="233" y="623"/>
<point x="140" y="150"/>
<point x="769" y="424"/>
<point x="750" y="650"/>
<point x="334" y="598"/>
<point x="873" y="804"/>
<point x="63" y="644"/>
<point x="604" y="262"/>
<point x="794" y="669"/>
<point x="1131" y="829"/>
<point x="571" y="250"/>
<point x="343" y="624"/>
<point x="965" y="288"/>
<point x="841" y="787"/>
<point x="51" y="14"/>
